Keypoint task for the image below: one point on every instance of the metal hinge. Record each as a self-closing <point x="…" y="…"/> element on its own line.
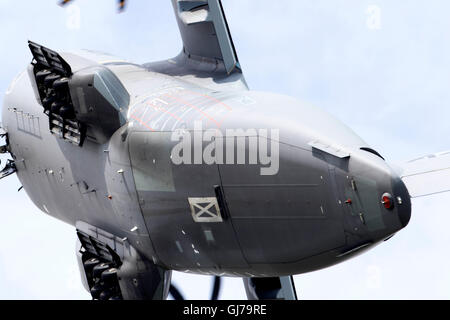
<point x="2" y="131"/>
<point x="10" y="166"/>
<point x="8" y="170"/>
<point x="3" y="134"/>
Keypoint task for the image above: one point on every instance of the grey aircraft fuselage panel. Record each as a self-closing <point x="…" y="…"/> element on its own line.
<point x="317" y="210"/>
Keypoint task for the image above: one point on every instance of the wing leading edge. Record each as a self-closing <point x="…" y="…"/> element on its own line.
<point x="427" y="175"/>
<point x="208" y="58"/>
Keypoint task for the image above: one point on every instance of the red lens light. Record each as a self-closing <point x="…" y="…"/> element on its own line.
<point x="387" y="201"/>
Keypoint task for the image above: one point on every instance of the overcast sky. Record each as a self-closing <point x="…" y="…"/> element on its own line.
<point x="381" y="67"/>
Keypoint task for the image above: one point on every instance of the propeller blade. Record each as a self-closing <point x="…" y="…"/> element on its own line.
<point x="175" y="293"/>
<point x="121" y="5"/>
<point x="216" y="288"/>
<point x="64" y="2"/>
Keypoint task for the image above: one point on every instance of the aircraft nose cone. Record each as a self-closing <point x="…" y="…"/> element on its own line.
<point x="403" y="201"/>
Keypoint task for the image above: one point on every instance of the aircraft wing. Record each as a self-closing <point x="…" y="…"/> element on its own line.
<point x="205" y="31"/>
<point x="208" y="57"/>
<point x="427" y="175"/>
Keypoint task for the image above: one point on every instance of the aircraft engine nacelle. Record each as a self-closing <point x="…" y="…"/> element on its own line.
<point x="99" y="100"/>
<point x="112" y="269"/>
<point x="88" y="103"/>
